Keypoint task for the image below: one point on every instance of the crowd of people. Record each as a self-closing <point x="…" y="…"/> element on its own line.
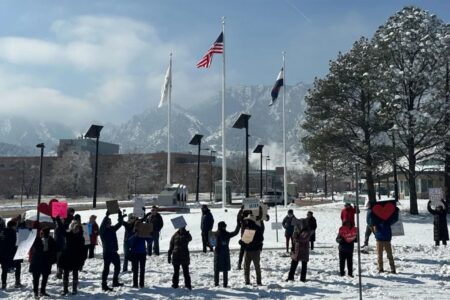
<point x="69" y="247"/>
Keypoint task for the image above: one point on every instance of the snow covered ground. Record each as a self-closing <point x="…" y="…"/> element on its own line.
<point x="423" y="269"/>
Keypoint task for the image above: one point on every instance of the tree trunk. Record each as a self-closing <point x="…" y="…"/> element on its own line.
<point x="325" y="185"/>
<point x="447" y="172"/>
<point x="412" y="179"/>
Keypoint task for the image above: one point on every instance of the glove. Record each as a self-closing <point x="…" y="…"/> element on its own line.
<point x="169" y="259"/>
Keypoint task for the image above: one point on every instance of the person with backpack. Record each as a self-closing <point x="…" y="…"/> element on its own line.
<point x="253" y="249"/>
<point x="93" y="235"/>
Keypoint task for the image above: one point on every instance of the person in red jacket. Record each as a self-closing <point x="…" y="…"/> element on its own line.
<point x="348" y="214"/>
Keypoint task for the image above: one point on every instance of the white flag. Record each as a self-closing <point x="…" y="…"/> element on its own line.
<point x="165" y="90"/>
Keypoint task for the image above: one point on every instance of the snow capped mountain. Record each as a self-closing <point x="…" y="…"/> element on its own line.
<point x="147" y="131"/>
<point x="20" y="136"/>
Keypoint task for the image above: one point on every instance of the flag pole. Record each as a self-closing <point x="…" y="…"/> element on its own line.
<point x="224" y="162"/>
<point x="169" y="112"/>
<point x="284" y="133"/>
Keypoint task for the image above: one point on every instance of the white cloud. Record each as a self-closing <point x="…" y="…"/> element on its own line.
<point x="110" y="62"/>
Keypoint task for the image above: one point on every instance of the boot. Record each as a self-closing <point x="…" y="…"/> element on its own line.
<point x="117" y="284"/>
<point x="105" y="287"/>
<point x="65" y="288"/>
<point x="74" y="287"/>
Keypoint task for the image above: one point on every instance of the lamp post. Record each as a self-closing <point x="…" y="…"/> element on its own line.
<point x="41" y="146"/>
<point x="94" y="132"/>
<point x="267" y="159"/>
<point x="259" y="149"/>
<point x="197" y="141"/>
<point x="242" y="122"/>
<point x="394" y="129"/>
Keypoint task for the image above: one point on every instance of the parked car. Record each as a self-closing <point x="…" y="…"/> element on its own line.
<point x="272" y="198"/>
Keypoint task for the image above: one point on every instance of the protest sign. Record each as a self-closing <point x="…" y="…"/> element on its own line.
<point x="59" y="209"/>
<point x="112" y="206"/>
<point x="24" y="246"/>
<point x="251" y="203"/>
<point x="277" y="226"/>
<point x="397" y="228"/>
<point x="178" y="222"/>
<point x="87" y="238"/>
<point x="435" y="195"/>
<point x="144" y="230"/>
<point x="248" y="235"/>
<point x="138" y="207"/>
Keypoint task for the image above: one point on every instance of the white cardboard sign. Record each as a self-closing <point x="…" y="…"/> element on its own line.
<point x="435" y="195"/>
<point x="24" y="246"/>
<point x="178" y="222"/>
<point x="138" y="206"/>
<point x="251" y="203"/>
<point x="397" y="228"/>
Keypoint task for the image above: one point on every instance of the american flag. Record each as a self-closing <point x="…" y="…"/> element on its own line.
<point x="217" y="47"/>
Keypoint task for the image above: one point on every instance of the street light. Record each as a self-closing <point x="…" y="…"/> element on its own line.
<point x="259" y="149"/>
<point x="94" y="132"/>
<point x="41" y="146"/>
<point x="267" y="158"/>
<point x="242" y="122"/>
<point x="197" y="140"/>
<point x="394" y="130"/>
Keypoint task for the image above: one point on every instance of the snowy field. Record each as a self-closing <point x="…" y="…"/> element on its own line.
<point x="423" y="269"/>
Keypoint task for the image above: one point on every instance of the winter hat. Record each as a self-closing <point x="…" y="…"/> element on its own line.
<point x="221" y="225"/>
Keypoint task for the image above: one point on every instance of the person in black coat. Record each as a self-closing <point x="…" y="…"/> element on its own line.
<point x="8" y="238"/>
<point x="346" y="240"/>
<point x="288" y="226"/>
<point x="72" y="257"/>
<point x="108" y="235"/>
<point x="206" y="226"/>
<point x="128" y="232"/>
<point x="253" y="249"/>
<point x="222" y="252"/>
<point x="440" y="229"/>
<point x="178" y="255"/>
<point x="312" y="224"/>
<point x="157" y="221"/>
<point x="43" y="256"/>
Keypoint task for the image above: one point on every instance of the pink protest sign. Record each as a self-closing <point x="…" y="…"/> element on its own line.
<point x="59" y="209"/>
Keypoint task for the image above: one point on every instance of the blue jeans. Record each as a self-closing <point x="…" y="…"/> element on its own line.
<point x="154" y="244"/>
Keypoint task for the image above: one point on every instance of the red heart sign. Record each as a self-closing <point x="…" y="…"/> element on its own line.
<point x="45" y="208"/>
<point x="384" y="212"/>
<point x="349" y="234"/>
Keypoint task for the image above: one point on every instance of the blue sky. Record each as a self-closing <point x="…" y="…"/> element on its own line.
<point x="104" y="61"/>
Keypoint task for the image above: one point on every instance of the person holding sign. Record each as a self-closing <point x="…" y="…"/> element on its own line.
<point x="108" y="235"/>
<point x="138" y="255"/>
<point x="206" y="226"/>
<point x="42" y="257"/>
<point x="346" y="238"/>
<point x="178" y="255"/>
<point x="8" y="249"/>
<point x="128" y="232"/>
<point x="222" y="252"/>
<point x="440" y="230"/>
<point x="252" y="239"/>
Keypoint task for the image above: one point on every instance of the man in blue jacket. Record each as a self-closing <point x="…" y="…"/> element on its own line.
<point x="383" y="235"/>
<point x="206" y="226"/>
<point x="108" y="235"/>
